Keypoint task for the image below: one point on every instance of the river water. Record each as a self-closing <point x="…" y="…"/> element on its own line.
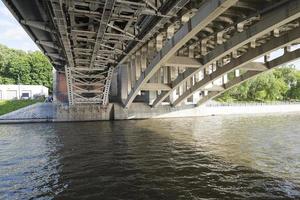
<point x="221" y="157"/>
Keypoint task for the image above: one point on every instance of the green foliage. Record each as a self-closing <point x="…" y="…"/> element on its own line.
<point x="9" y="106"/>
<point x="277" y="85"/>
<point x="294" y="92"/>
<point x="32" y="68"/>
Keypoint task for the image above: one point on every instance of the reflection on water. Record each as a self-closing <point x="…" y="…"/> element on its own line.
<point x="210" y="157"/>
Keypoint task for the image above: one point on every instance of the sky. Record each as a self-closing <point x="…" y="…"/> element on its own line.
<point x="13" y="35"/>
<point x="11" y="32"/>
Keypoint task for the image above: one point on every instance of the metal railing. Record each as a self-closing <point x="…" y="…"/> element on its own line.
<point x="216" y="104"/>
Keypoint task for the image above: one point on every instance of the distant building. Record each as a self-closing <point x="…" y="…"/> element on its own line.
<point x="10" y="92"/>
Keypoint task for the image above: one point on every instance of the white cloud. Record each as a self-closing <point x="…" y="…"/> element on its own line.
<point x="5" y="23"/>
<point x="4" y="11"/>
<point x="11" y="32"/>
<point x="16" y="33"/>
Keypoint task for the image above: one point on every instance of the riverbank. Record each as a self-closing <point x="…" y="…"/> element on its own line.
<point x="38" y="112"/>
<point x="235" y="109"/>
<point x="48" y="112"/>
<point x="8" y="106"/>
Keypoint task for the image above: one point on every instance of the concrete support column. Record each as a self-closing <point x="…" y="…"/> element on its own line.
<point x="173" y="71"/>
<point x="159" y="45"/>
<point x="287" y="49"/>
<point x="159" y="75"/>
<point x="237" y="73"/>
<point x="137" y="64"/>
<point x="266" y="58"/>
<point x="128" y="77"/>
<point x="123" y="86"/>
<point x="150" y="51"/>
<point x="201" y="74"/>
<point x="144" y="59"/>
<point x="191" y="55"/>
<point x="170" y="32"/>
<point x="133" y="70"/>
<point x="166" y="75"/>
<point x="159" y="42"/>
<point x="138" y="67"/>
<point x="152" y="94"/>
<point x="182" y="87"/>
<point x="225" y="78"/>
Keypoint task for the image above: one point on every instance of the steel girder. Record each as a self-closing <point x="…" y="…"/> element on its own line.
<point x="205" y="15"/>
<point x="95" y="36"/>
<point x="218" y="41"/>
<point x="86" y="38"/>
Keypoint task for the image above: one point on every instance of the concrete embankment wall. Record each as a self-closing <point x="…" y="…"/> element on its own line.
<point x="141" y="111"/>
<point x="233" y="110"/>
<point x="45" y="112"/>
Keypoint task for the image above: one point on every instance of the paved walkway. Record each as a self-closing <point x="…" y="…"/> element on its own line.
<point x="36" y="111"/>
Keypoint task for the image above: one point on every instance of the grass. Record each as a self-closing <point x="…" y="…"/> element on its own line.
<point x="7" y="106"/>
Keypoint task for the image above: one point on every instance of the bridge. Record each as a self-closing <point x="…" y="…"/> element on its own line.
<point x="162" y="53"/>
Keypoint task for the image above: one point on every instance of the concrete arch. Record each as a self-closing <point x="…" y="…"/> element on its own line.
<point x="287" y="57"/>
<point x="271" y="20"/>
<point x="206" y="13"/>
<point x="252" y="54"/>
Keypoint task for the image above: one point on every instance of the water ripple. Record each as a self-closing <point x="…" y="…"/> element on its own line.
<point x="193" y="158"/>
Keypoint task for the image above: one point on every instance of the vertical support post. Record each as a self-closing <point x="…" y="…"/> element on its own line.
<point x="172" y="73"/>
<point x="129" y="77"/>
<point x="237" y="73"/>
<point x="158" y="74"/>
<point x="138" y="68"/>
<point x="152" y="94"/>
<point x="133" y="70"/>
<point x="123" y="86"/>
<point x="107" y="86"/>
<point x="69" y="85"/>
<point x="225" y="78"/>
<point x="144" y="59"/>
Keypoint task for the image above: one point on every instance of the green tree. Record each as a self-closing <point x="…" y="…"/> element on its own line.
<point x="267" y="87"/>
<point x="294" y="92"/>
<point x="279" y="84"/>
<point x="41" y="70"/>
<point x="31" y="67"/>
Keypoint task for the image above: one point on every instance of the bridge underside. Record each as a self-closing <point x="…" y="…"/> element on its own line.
<point x="160" y="52"/>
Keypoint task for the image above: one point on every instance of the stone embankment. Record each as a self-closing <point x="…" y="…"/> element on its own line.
<point x="236" y="109"/>
<point x="50" y="112"/>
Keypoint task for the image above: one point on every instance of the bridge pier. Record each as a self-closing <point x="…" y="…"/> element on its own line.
<point x="84" y="112"/>
<point x="60" y="90"/>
